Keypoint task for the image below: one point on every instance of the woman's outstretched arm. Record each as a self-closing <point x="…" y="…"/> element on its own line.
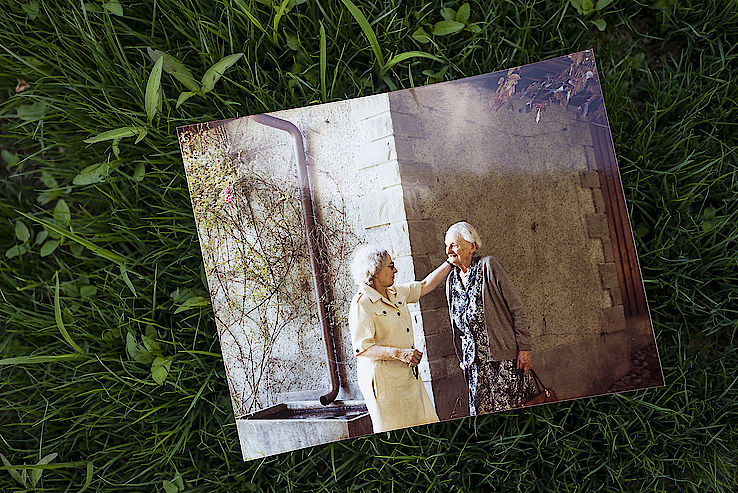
<point x="433" y="279"/>
<point x="409" y="356"/>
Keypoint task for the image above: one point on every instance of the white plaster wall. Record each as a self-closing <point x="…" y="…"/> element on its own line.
<point x="343" y="142"/>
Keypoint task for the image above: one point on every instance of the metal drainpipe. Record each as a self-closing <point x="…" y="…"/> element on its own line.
<point x="317" y="270"/>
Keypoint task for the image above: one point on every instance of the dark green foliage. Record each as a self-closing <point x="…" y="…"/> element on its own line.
<point x="123" y="244"/>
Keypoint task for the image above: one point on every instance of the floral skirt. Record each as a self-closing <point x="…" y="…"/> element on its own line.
<point x="498" y="386"/>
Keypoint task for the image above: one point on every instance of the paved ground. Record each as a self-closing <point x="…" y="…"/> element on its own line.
<point x="645" y="372"/>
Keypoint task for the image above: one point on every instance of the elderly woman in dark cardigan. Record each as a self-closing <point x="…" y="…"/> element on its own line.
<point x="489" y="327"/>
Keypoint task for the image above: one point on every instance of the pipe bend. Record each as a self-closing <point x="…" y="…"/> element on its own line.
<point x="274" y="122"/>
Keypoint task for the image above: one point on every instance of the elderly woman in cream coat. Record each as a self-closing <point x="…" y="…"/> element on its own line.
<point x="488" y="324"/>
<point x="382" y="340"/>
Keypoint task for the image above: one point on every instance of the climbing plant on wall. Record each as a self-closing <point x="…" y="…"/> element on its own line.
<point x="247" y="224"/>
<point x="251" y="233"/>
<point x="575" y="85"/>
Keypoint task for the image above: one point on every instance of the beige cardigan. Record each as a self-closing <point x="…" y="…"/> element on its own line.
<point x="507" y="326"/>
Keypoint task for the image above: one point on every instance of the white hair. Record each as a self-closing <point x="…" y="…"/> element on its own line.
<point x="466" y="231"/>
<point x="367" y="261"/>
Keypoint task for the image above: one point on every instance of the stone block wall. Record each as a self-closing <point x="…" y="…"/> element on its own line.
<point x="385" y="216"/>
<point x="612" y="316"/>
<point x="417" y="175"/>
<point x="532" y="190"/>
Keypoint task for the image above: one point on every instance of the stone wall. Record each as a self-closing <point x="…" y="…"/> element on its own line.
<point x="384" y="215"/>
<point x="531" y="189"/>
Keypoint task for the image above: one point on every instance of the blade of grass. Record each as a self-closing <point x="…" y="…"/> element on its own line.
<point x="12" y="470"/>
<point x="215" y="72"/>
<point x="35" y="475"/>
<point x="97" y="250"/>
<point x="151" y="99"/>
<point x="34" y="360"/>
<point x="115" y="134"/>
<point x="254" y="20"/>
<point x="58" y="317"/>
<point x="88" y="477"/>
<point x="277" y="17"/>
<point x="323" y="62"/>
<point x="175" y="68"/>
<point x="408" y="54"/>
<point x="367" y="28"/>
<point x="58" y="465"/>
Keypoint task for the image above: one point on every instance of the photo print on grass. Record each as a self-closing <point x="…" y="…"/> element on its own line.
<point x="547" y="277"/>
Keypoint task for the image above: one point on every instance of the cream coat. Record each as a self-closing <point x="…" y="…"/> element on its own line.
<point x="394" y="397"/>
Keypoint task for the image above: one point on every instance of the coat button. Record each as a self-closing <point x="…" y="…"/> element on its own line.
<point x="384" y="311"/>
<point x="398" y="314"/>
<point x="408" y="329"/>
<point x="399" y="302"/>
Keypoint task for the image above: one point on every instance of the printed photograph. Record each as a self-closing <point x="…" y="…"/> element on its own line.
<point x="432" y="253"/>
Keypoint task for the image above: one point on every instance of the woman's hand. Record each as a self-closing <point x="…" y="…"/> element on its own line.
<point x="434" y="278"/>
<point x="387" y="353"/>
<point x="409" y="356"/>
<point x="524" y="361"/>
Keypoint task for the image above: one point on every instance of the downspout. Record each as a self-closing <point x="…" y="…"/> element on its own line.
<point x="315" y="266"/>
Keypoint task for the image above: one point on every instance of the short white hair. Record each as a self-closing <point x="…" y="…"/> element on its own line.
<point x="466" y="231"/>
<point x="367" y="261"/>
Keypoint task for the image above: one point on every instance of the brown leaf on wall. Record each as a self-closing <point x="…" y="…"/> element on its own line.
<point x="505" y="88"/>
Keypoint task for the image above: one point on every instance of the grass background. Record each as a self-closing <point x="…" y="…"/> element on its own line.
<point x="669" y="80"/>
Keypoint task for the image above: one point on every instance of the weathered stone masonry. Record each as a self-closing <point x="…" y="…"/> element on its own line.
<point x="388" y="215"/>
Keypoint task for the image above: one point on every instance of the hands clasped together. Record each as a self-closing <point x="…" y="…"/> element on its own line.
<point x="410" y="356"/>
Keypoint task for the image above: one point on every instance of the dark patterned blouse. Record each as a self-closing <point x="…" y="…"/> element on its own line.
<point x="493" y="385"/>
<point x="468" y="314"/>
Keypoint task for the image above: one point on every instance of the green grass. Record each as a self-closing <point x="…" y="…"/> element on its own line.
<point x="67" y="383"/>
